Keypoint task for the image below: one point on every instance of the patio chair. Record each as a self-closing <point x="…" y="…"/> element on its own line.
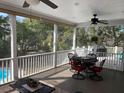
<point x="96" y="70"/>
<point x="70" y="56"/>
<point x="76" y="67"/>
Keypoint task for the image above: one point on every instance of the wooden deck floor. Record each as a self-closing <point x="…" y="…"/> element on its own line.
<point x="61" y="79"/>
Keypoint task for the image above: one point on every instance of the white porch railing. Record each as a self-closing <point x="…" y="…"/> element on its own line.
<point x="33" y="64"/>
<point x="113" y="60"/>
<point x="62" y="57"/>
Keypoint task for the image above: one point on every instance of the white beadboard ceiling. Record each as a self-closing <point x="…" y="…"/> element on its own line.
<point x="77" y="11"/>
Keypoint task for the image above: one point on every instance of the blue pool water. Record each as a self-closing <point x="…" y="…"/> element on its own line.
<point x="119" y="56"/>
<point x="4" y="73"/>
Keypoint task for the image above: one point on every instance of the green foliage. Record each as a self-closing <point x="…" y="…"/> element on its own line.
<point x="82" y="38"/>
<point x="4" y="48"/>
<point x="33" y="36"/>
<point x="65" y="35"/>
<point x="110" y="35"/>
<point x="37" y="36"/>
<point x="4" y="37"/>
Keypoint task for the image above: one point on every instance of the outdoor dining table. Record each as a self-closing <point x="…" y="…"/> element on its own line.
<point x="86" y="61"/>
<point x="83" y="64"/>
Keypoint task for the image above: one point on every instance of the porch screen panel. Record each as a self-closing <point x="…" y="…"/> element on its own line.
<point x="64" y="43"/>
<point x="34" y="45"/>
<point x="5" y="49"/>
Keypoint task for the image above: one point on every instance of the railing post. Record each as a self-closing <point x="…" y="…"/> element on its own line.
<point x="116" y="49"/>
<point x="74" y="40"/>
<point x="54" y="44"/>
<point x="14" y="65"/>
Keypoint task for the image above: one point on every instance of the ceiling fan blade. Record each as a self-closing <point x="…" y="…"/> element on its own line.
<point x="25" y="4"/>
<point x="49" y="3"/>
<point x="102" y="22"/>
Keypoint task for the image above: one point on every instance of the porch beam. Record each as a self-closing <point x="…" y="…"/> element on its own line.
<point x="14" y="65"/>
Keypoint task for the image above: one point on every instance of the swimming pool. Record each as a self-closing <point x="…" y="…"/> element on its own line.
<point x="4" y="74"/>
<point x="119" y="56"/>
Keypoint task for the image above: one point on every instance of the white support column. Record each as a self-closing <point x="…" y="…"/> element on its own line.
<point x="55" y="43"/>
<point x="14" y="65"/>
<point x="116" y="49"/>
<point x="123" y="58"/>
<point x="74" y="39"/>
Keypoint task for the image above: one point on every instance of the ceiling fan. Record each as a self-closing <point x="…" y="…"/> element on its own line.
<point x="47" y="2"/>
<point x="95" y="20"/>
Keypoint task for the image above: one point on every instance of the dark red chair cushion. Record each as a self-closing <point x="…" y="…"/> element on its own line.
<point x="96" y="69"/>
<point x="77" y="66"/>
